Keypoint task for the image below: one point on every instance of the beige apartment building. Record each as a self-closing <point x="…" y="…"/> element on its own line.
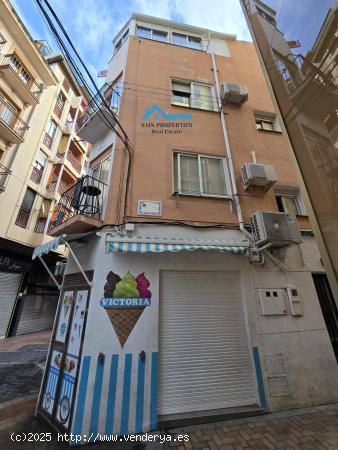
<point x="40" y="157"/>
<point x="190" y="293"/>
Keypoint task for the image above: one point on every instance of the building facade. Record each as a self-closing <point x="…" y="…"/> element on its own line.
<point x="40" y="157"/>
<point x="304" y="86"/>
<point x="168" y="312"/>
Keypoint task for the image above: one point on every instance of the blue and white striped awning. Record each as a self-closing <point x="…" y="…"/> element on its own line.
<point x="49" y="246"/>
<point x="129" y="245"/>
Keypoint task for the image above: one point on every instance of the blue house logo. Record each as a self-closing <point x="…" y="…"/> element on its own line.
<point x="157" y="113"/>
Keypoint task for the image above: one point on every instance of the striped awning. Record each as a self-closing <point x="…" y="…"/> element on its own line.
<point x="127" y="246"/>
<point x="49" y="246"/>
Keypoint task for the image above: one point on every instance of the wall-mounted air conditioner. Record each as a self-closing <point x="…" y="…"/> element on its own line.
<point x="276" y="228"/>
<point x="263" y="175"/>
<point x="234" y="93"/>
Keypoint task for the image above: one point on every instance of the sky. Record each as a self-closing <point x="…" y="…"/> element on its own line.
<point x="92" y="24"/>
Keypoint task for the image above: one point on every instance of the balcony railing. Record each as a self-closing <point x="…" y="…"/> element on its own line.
<point x="58" y="108"/>
<point x="112" y="98"/>
<point x="297" y="70"/>
<point x="15" y="64"/>
<point x="22" y="218"/>
<point x="61" y="189"/>
<point x="4" y="175"/>
<point x="85" y="198"/>
<point x="40" y="224"/>
<point x="48" y="140"/>
<point x="74" y="161"/>
<point x="2" y="41"/>
<point x="36" y="175"/>
<point x="12" y="119"/>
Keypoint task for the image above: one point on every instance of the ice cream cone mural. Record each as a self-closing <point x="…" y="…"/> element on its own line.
<point x="124" y="301"/>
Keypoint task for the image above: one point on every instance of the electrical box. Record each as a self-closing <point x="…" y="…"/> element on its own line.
<point x="272" y="302"/>
<point x="294" y="301"/>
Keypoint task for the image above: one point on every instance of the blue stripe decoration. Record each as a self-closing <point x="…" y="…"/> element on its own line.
<point x="111" y="395"/>
<point x="81" y="396"/>
<point x="259" y="376"/>
<point x="153" y="391"/>
<point x="94" y="418"/>
<point x="140" y="395"/>
<point x="126" y="394"/>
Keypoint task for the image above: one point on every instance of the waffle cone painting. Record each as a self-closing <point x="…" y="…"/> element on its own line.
<point x="124" y="301"/>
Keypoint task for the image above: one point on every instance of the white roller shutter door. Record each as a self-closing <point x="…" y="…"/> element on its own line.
<point x="204" y="360"/>
<point x="9" y="287"/>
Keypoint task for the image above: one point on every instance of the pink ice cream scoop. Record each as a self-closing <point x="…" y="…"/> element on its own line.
<point x="142" y="286"/>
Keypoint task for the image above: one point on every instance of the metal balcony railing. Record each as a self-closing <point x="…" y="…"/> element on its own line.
<point x="61" y="189"/>
<point x="112" y="98"/>
<point x="2" y="41"/>
<point x="4" y="175"/>
<point x="40" y="224"/>
<point x="85" y="198"/>
<point x="25" y="77"/>
<point x="48" y="140"/>
<point x="296" y="70"/>
<point x="22" y="218"/>
<point x="36" y="175"/>
<point x="11" y="118"/>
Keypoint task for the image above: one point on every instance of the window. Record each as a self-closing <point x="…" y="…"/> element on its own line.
<point x="149" y="33"/>
<point x="185" y="40"/>
<point x="51" y="128"/>
<point x="194" y="95"/>
<point x="266" y="121"/>
<point x="116" y="92"/>
<point x="101" y="171"/>
<point x="38" y="167"/>
<point x="199" y="175"/>
<point x="289" y="200"/>
<point x="25" y="208"/>
<point x="119" y="43"/>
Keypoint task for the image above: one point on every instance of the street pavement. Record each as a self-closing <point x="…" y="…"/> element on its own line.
<point x="21" y="365"/>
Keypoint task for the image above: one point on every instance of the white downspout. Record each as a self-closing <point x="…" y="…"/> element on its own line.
<point x="232" y="172"/>
<point x="229" y="155"/>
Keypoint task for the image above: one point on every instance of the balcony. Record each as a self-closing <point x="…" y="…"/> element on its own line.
<point x="48" y="140"/>
<point x="40" y="224"/>
<point x="97" y="118"/>
<point x="310" y="87"/>
<point x="51" y="188"/>
<point x="22" y="218"/>
<point x="12" y="128"/>
<point x="36" y="175"/>
<point x="74" y="161"/>
<point x="4" y="175"/>
<point x="80" y="208"/>
<point x="2" y="41"/>
<point x="20" y="80"/>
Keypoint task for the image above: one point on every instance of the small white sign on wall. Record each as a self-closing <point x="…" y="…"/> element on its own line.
<point x="149" y="208"/>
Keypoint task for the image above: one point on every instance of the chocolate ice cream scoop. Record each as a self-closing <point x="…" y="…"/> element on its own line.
<point x="112" y="280"/>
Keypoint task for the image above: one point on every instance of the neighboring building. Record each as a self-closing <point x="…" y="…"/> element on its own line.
<point x="40" y="156"/>
<point x="305" y="89"/>
<point x="169" y="313"/>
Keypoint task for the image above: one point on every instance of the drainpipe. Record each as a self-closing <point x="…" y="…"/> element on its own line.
<point x="229" y="155"/>
<point x="61" y="172"/>
<point x="232" y="172"/>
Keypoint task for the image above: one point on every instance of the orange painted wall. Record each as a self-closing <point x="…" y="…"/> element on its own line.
<point x="150" y="66"/>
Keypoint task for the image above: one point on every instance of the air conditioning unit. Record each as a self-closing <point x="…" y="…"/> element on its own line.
<point x="277" y="228"/>
<point x="234" y="93"/>
<point x="263" y="175"/>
